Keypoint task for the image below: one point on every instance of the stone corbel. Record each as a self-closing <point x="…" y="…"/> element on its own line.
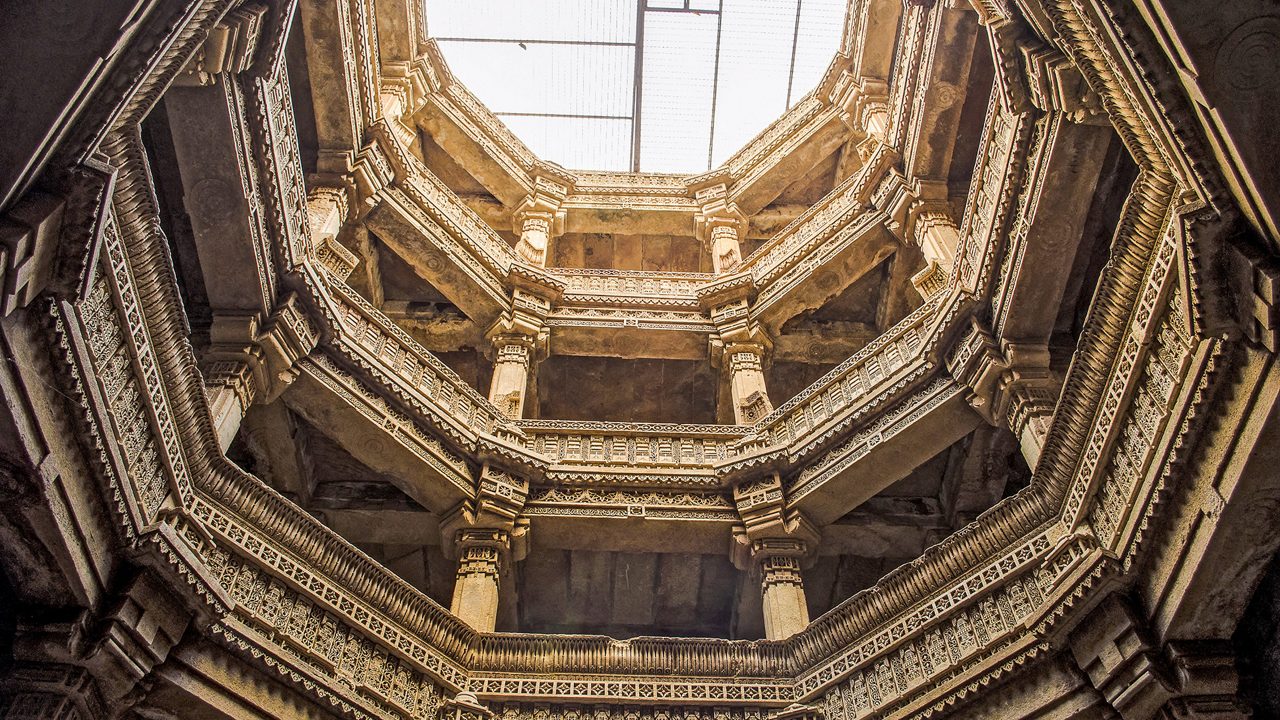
<point x="106" y="655"/>
<point x="539" y="219"/>
<point x="327" y="209"/>
<point x="1141" y="679"/>
<point x="229" y="48"/>
<point x="864" y="106"/>
<point x="464" y="706"/>
<point x="1010" y="385"/>
<point x="1055" y="84"/>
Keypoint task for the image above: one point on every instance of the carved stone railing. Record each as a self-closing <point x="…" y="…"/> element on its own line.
<point x="410" y="370"/>
<point x="814" y="226"/>
<point x="474" y="244"/>
<point x="806" y="115"/>
<point x="865" y="376"/>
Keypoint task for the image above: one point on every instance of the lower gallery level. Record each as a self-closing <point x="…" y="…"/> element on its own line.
<point x="952" y="393"/>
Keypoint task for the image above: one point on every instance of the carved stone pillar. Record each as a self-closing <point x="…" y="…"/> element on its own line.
<point x="539" y="219"/>
<point x="773" y="543"/>
<point x="486" y="537"/>
<point x="475" y="593"/>
<point x="252" y="359"/>
<point x="512" y="363"/>
<point x="781" y="586"/>
<point x="720" y="228"/>
<point x="745" y="362"/>
<point x="725" y="245"/>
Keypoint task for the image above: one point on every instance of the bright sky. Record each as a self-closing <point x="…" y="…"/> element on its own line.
<point x="561" y="73"/>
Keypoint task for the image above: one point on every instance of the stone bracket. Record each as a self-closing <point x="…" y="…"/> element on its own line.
<point x="229" y="48"/>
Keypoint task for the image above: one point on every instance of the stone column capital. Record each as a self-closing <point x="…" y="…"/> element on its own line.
<point x="721" y="216"/>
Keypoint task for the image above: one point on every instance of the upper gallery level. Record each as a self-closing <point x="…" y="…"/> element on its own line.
<point x="810" y="353"/>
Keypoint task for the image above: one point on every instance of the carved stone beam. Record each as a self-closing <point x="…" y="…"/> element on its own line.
<point x="229" y="47"/>
<point x="774" y="542"/>
<point x="540" y="218"/>
<point x="720" y="226"/>
<point x="486" y="536"/>
<point x="250" y="359"/>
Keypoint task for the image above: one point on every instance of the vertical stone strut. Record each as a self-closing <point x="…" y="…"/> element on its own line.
<point x="773" y="543"/>
<point x="486" y="536"/>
